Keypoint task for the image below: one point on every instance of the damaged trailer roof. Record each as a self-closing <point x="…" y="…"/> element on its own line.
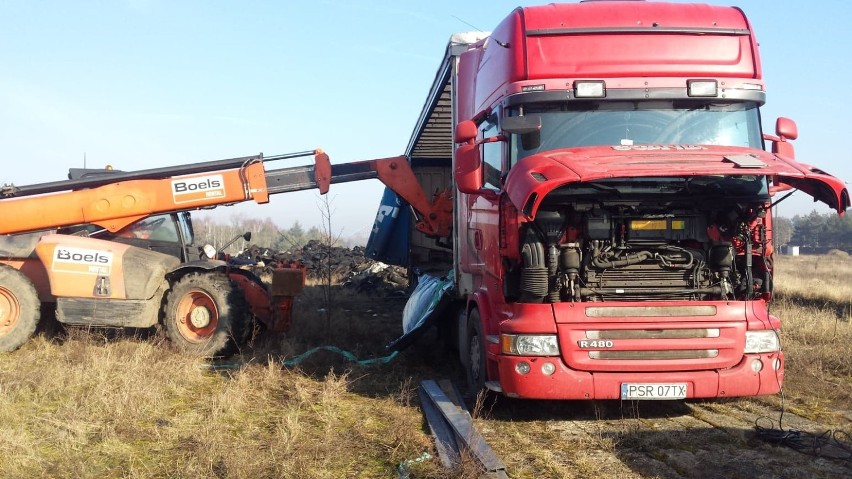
<point x="432" y="138"/>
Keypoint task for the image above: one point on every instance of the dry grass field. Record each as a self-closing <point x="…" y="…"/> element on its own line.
<point x="814" y="302"/>
<point x="89" y="404"/>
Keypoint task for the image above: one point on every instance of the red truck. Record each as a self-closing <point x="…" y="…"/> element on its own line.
<point x="613" y="202"/>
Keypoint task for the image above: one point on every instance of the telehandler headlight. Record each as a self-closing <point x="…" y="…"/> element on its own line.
<point x="529" y="345"/>
<point x="762" y="342"/>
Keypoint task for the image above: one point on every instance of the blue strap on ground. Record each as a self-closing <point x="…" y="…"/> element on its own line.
<point x="402" y="469"/>
<point x="346" y="354"/>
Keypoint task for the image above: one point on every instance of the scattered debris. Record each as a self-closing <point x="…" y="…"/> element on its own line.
<point x="348" y="267"/>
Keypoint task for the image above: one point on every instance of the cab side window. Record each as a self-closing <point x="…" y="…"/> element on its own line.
<point x="154" y="228"/>
<point x="492" y="155"/>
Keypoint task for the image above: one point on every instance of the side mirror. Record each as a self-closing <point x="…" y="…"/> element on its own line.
<point x="246" y="236"/>
<point x="521" y="125"/>
<point x="468" y="169"/>
<point x="527" y="126"/>
<point x="466" y="132"/>
<point x="786" y="130"/>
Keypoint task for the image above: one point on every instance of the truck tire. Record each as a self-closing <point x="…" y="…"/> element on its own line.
<point x="20" y="309"/>
<point x="474" y="355"/>
<point x="203" y="313"/>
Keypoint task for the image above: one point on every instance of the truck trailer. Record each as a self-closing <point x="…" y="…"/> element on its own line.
<point x="612" y="203"/>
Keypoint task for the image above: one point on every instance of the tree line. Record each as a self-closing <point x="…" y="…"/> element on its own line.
<point x="264" y="232"/>
<point x="814" y="232"/>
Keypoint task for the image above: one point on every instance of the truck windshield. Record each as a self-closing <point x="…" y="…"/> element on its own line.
<point x="651" y="122"/>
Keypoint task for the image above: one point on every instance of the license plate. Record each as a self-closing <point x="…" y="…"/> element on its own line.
<point x="653" y="391"/>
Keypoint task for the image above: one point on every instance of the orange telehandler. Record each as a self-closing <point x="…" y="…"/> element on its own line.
<point x="115" y="249"/>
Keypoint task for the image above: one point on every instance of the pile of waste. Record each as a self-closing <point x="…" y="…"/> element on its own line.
<point x="346" y="266"/>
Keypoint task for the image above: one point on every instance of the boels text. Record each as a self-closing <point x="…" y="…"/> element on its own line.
<point x="198" y="189"/>
<point x="185" y="186"/>
<point x="63" y="254"/>
<point x="69" y="259"/>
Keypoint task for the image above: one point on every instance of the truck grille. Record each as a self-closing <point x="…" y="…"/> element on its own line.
<point x="648" y="355"/>
<point x="641" y="347"/>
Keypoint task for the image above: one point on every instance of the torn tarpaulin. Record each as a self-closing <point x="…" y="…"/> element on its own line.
<point x="427" y="304"/>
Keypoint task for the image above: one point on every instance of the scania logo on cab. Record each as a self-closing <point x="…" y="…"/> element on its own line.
<point x="83" y="261"/>
<point x="657" y="147"/>
<point x="197" y="189"/>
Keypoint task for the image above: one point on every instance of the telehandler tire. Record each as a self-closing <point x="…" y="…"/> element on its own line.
<point x="20" y="309"/>
<point x="203" y="314"/>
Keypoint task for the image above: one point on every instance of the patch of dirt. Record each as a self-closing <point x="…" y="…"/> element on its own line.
<point x="694" y="439"/>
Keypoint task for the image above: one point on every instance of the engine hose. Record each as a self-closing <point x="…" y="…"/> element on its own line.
<point x="672" y="262"/>
<point x="534" y="282"/>
<point x="552" y="268"/>
<point x="749" y="272"/>
<point x="534" y="275"/>
<point x="626" y="261"/>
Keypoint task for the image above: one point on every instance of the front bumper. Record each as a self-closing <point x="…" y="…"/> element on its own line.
<point x="566" y="383"/>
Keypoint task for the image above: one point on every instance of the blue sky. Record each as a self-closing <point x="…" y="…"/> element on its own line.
<point x="148" y="83"/>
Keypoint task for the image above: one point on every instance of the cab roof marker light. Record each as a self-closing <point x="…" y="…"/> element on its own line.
<point x="590" y="89"/>
<point x="752" y="86"/>
<point x="702" y="88"/>
<point x="527" y="88"/>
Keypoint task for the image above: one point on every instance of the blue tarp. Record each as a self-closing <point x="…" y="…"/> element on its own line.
<point x="391" y="232"/>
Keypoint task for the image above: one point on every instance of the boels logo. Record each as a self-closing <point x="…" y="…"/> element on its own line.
<point x="199" y="188"/>
<point x="84" y="261"/>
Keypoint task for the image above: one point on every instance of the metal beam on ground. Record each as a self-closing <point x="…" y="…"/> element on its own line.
<point x="455" y="416"/>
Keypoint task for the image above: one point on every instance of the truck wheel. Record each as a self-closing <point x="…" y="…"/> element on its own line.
<point x="20" y="309"/>
<point x="474" y="359"/>
<point x="202" y="314"/>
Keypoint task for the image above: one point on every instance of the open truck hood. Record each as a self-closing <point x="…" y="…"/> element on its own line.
<point x="537" y="175"/>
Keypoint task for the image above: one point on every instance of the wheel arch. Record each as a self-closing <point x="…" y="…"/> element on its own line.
<point x="478" y="300"/>
<point x="196" y="265"/>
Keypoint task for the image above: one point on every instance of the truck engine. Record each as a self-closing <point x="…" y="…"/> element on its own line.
<point x="647" y="240"/>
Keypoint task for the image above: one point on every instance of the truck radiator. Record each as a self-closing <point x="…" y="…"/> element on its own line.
<point x="641" y="282"/>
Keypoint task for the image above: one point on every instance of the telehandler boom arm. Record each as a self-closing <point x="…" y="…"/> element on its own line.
<point x="115" y="200"/>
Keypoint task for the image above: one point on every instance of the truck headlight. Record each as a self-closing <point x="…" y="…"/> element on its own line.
<point x="762" y="342"/>
<point x="529" y="344"/>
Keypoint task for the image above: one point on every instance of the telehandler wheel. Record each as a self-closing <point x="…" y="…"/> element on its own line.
<point x="20" y="309"/>
<point x="474" y="356"/>
<point x="202" y="313"/>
